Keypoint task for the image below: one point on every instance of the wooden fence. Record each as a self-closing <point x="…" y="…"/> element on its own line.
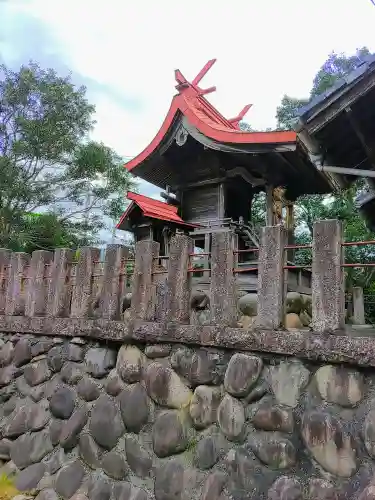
<point x="56" y="284"/>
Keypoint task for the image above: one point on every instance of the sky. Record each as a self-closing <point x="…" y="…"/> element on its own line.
<point x="126" y="53"/>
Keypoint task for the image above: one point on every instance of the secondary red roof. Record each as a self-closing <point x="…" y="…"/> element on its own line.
<point x="190" y="101"/>
<point x="154" y="209"/>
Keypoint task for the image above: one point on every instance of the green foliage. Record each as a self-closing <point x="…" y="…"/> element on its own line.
<point x="47" y="160"/>
<point x="335" y="67"/>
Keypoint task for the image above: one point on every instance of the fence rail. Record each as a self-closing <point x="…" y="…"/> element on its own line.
<point x="60" y="284"/>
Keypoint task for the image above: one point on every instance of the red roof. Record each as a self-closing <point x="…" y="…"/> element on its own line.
<point x="190" y="101"/>
<point x="154" y="209"/>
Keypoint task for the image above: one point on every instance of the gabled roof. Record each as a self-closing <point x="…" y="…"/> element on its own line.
<point x="191" y="103"/>
<point x="154" y="209"/>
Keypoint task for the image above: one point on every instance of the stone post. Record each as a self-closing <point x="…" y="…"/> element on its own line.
<point x="37" y="285"/>
<point x="358" y="306"/>
<point x="223" y="293"/>
<point x="271" y="290"/>
<point x="83" y="296"/>
<point x="111" y="291"/>
<point x="328" y="293"/>
<point x="143" y="293"/>
<point x="178" y="286"/>
<point x="58" y="302"/>
<point x="15" y="294"/>
<point x="5" y="258"/>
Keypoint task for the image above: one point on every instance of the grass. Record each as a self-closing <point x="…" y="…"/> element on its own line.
<point x="7" y="488"/>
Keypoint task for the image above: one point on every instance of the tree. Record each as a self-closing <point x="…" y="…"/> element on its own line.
<point x="341" y="206"/>
<point x="335" y="67"/>
<point x="47" y="162"/>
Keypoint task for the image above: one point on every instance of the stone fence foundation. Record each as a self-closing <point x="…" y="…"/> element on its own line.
<point x="110" y="389"/>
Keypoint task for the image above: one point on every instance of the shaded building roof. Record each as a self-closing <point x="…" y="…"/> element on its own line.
<point x="193" y="128"/>
<point x="150" y="208"/>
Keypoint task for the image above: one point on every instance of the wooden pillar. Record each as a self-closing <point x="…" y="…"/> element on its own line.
<point x="83" y="296"/>
<point x="178" y="286"/>
<point x="37" y="284"/>
<point x="143" y="295"/>
<point x="58" y="303"/>
<point x="111" y="290"/>
<point x="328" y="292"/>
<point x="15" y="295"/>
<point x="223" y="293"/>
<point x="270" y="219"/>
<point x="358" y="306"/>
<point x="5" y="258"/>
<point x="271" y="290"/>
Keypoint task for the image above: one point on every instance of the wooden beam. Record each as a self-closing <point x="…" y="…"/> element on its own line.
<point x="360" y="134"/>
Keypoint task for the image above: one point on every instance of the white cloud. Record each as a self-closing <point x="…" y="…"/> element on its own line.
<point x="265" y="48"/>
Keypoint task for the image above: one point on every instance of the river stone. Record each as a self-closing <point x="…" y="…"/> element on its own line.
<point x="248" y="304"/>
<point x="287" y="381"/>
<point x="137" y="457"/>
<point x="6" y="354"/>
<point x="29" y="478"/>
<point x="274" y="418"/>
<point x="114" y="384"/>
<point x="127" y="491"/>
<point x="231" y="417"/>
<point x="169" y="481"/>
<point x="340" y="385"/>
<point x="55" y="431"/>
<point x="30" y="448"/>
<point x="36" y="373"/>
<point x="41" y="347"/>
<point x="100" y="489"/>
<point x="158" y="350"/>
<point x="6" y="375"/>
<point x="71" y="373"/>
<point x="134" y="397"/>
<point x="305" y="318"/>
<point x="5" y="445"/>
<point x="273" y="450"/>
<point x="88" y="390"/>
<point x="130" y="363"/>
<point x="73" y="352"/>
<point x="89" y="450"/>
<point x="114" y="465"/>
<point x="320" y="489"/>
<point x="36" y="393"/>
<point x="286" y="488"/>
<point x="246" y="475"/>
<point x="204" y="405"/>
<point x="62" y="402"/>
<point x="368" y="493"/>
<point x="22" y="352"/>
<point x="50" y="494"/>
<point x="55" y="358"/>
<point x="170" y="434"/>
<point x="69" y="479"/>
<point x="294" y="302"/>
<point x="242" y="374"/>
<point x="99" y="361"/>
<point x="106" y="425"/>
<point x="72" y="427"/>
<point x="331" y="446"/>
<point x="165" y="387"/>
<point x="292" y="321"/>
<point x="55" y="461"/>
<point x="29" y="417"/>
<point x="209" y="450"/>
<point x="214" y="486"/>
<point x="369" y="433"/>
<point x="199" y="366"/>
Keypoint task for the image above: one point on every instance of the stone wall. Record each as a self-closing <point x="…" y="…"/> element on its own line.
<point x="82" y="419"/>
